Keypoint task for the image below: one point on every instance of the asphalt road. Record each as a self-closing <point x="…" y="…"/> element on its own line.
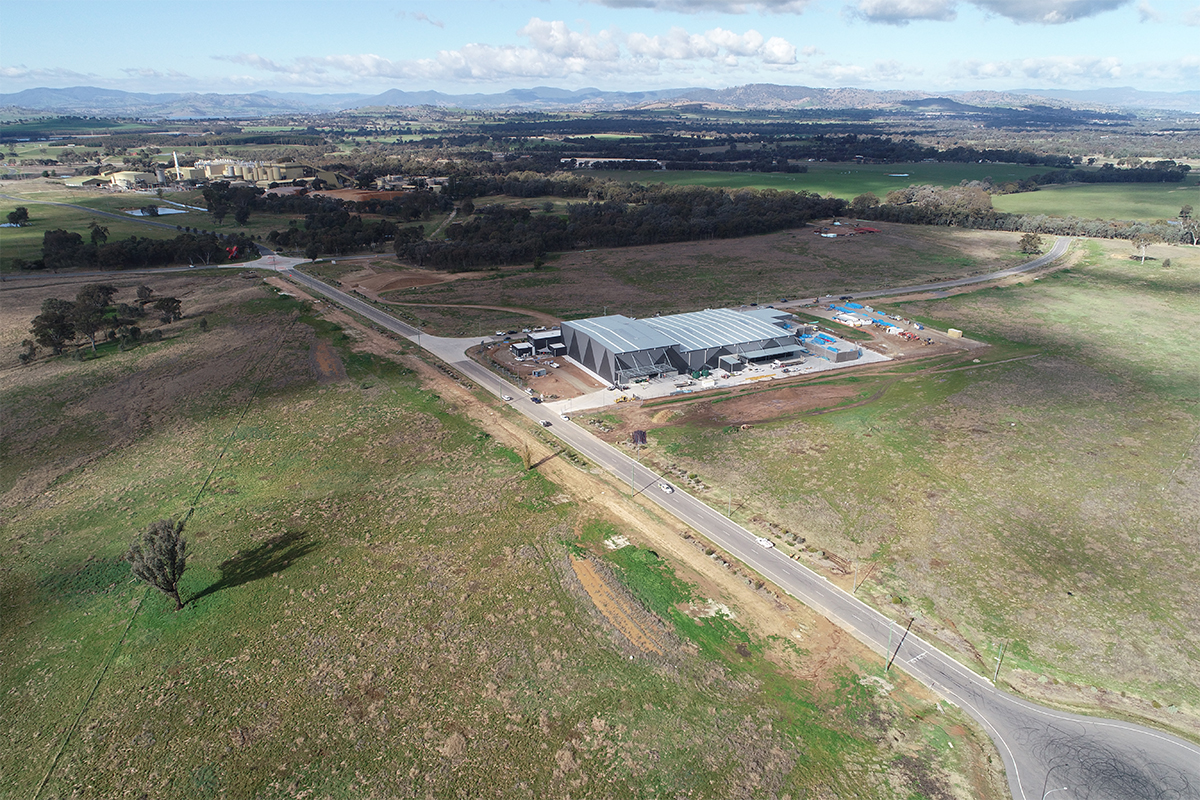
<point x="1080" y="757"/>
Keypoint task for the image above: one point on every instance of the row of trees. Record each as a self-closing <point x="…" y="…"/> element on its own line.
<point x="497" y="235"/>
<point x="62" y="322"/>
<point x="62" y="249"/>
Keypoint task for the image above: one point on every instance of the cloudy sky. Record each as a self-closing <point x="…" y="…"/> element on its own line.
<point x="367" y="46"/>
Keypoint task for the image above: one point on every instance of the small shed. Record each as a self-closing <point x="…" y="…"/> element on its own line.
<point x="730" y="363"/>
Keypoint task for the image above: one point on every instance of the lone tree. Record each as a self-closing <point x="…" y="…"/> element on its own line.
<point x="1144" y="240"/>
<point x="168" y="308"/>
<point x="1191" y="226"/>
<point x="91" y="305"/>
<point x="1031" y="243"/>
<point x="160" y="557"/>
<point x="53" y="327"/>
<point x="18" y="216"/>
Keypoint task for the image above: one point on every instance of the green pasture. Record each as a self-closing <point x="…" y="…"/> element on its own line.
<point x="376" y="603"/>
<point x="69" y="126"/>
<point x="1133" y="201"/>
<point x="1045" y="501"/>
<point x="845" y="180"/>
<point x="26" y="242"/>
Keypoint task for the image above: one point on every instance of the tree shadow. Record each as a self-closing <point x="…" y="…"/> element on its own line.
<point x="550" y="457"/>
<point x="268" y="558"/>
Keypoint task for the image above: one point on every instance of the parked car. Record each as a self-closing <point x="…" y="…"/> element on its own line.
<point x="763" y="541"/>
<point x="536" y="399"/>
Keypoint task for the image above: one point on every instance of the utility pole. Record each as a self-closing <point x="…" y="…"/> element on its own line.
<point x="730" y="514"/>
<point x="996" y="674"/>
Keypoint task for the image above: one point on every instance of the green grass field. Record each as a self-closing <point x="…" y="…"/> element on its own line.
<point x="377" y="601"/>
<point x="26" y="242"/>
<point x="1147" y="201"/>
<point x="840" y="180"/>
<point x="1048" y="502"/>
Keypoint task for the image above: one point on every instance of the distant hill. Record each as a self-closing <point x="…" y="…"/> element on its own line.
<point x="93" y="101"/>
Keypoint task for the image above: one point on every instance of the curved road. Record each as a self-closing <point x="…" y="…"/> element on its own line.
<point x="1057" y="250"/>
<point x="1078" y="757"/>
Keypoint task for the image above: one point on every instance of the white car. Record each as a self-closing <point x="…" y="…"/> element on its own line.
<point x="565" y="418"/>
<point x="666" y="487"/>
<point x="763" y="541"/>
<point x="506" y="397"/>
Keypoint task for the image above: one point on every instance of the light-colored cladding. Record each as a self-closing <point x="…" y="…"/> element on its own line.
<point x="618" y="347"/>
<point x="719" y="327"/>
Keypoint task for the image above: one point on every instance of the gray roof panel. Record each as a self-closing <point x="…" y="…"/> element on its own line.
<point x="715" y="327"/>
<point x="620" y="334"/>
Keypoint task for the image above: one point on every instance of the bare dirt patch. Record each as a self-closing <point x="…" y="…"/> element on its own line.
<point x="618" y="608"/>
<point x="376" y="281"/>
<point x="326" y="364"/>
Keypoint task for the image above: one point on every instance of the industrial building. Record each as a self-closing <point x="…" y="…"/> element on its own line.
<point x="619" y="348"/>
<point x="231" y="169"/>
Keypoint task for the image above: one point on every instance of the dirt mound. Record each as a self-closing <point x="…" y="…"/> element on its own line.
<point x="619" y="609"/>
<point x="379" y="281"/>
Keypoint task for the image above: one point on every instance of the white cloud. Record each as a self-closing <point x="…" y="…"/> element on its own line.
<point x="155" y="74"/>
<point x="553" y="51"/>
<point x="778" y="51"/>
<point x="1192" y="16"/>
<point x="1049" y="70"/>
<point x="22" y="73"/>
<point x="1046" y="12"/>
<point x="558" y="39"/>
<point x="421" y="16"/>
<point x="747" y="44"/>
<point x="881" y="71"/>
<point x="1147" y="12"/>
<point x="901" y="12"/>
<point x="677" y="44"/>
<point x="713" y="6"/>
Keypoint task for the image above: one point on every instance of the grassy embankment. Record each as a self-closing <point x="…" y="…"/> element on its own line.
<point x="375" y="602"/>
<point x="1049" y="503"/>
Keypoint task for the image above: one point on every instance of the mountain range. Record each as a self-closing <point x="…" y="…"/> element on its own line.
<point x="93" y="101"/>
